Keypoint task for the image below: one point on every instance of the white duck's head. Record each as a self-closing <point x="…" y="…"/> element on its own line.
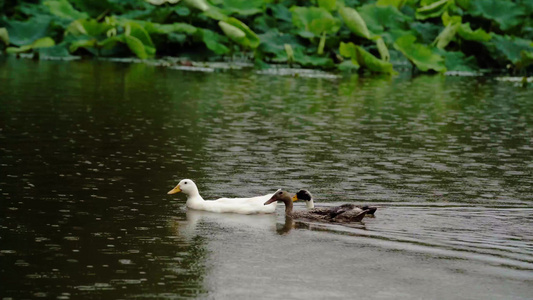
<point x="186" y="186"/>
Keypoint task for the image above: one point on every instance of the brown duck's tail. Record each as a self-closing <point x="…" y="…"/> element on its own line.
<point x="370" y="209"/>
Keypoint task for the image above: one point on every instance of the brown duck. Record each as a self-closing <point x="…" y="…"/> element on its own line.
<point x="306" y="196"/>
<point x="344" y="213"/>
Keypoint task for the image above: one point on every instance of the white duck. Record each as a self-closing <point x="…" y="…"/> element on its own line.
<point x="252" y="205"/>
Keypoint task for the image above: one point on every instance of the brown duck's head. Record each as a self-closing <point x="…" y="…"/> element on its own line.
<point x="280" y="195"/>
<point x="304" y="195"/>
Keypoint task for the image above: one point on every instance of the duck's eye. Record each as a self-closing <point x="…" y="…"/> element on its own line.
<point x="280" y="193"/>
<point x="185" y="182"/>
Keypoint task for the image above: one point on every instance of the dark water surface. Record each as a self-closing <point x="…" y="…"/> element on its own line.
<point x="89" y="149"/>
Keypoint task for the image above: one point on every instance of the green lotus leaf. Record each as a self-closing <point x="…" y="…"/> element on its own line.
<point x="234" y="33"/>
<point x="347" y="65"/>
<point x="395" y="3"/>
<point x="63" y="9"/>
<point x="21" y="49"/>
<point x="447" y="19"/>
<point x="421" y="56"/>
<point x="273" y="43"/>
<point x="373" y="63"/>
<point x="314" y="20"/>
<point x="197" y="4"/>
<point x="435" y="9"/>
<point x="161" y="2"/>
<point x="380" y="19"/>
<point x="24" y="33"/>
<point x="182" y="10"/>
<point x="426" y="2"/>
<point x="169" y="28"/>
<point x="360" y="57"/>
<point x="137" y="30"/>
<point x="39" y="43"/>
<point x="111" y="42"/>
<point x="138" y="34"/>
<point x="216" y="13"/>
<point x="527" y="59"/>
<point x="89" y="27"/>
<point x="457" y="61"/>
<point x="281" y="12"/>
<point x="382" y="49"/>
<point x="321" y="44"/>
<point x="136" y="46"/>
<point x="479" y="35"/>
<point x="289" y="51"/>
<point x="355" y="23"/>
<point x="510" y="47"/>
<point x="75" y="45"/>
<point x="506" y="13"/>
<point x="213" y="41"/>
<point x="95" y="7"/>
<point x="329" y="5"/>
<point x="252" y="40"/>
<point x="43" y="43"/>
<point x="4" y="36"/>
<point x="309" y="60"/>
<point x="426" y="31"/>
<point x="449" y="32"/>
<point x="464" y="4"/>
<point x="349" y="50"/>
<point x="243" y="7"/>
<point x="59" y="50"/>
<point x="329" y="26"/>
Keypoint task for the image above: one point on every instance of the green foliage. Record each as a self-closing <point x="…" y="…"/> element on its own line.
<point x="138" y="40"/>
<point x="313" y="21"/>
<point x="382" y="49"/>
<point x="355" y="23"/>
<point x="63" y="9"/>
<point x="511" y="48"/>
<point x="380" y="19"/>
<point x="4" y="36"/>
<point x="457" y="61"/>
<point x="506" y="13"/>
<point x="478" y="35"/>
<point x="25" y="32"/>
<point x="274" y="44"/>
<point x="243" y="7"/>
<point x="361" y="58"/>
<point x="233" y="32"/>
<point x="214" y="41"/>
<point x="251" y="39"/>
<point x="329" y="5"/>
<point x="435" y="35"/>
<point x="373" y="63"/>
<point x="40" y="43"/>
<point x="421" y="56"/>
<point x="433" y="10"/>
<point x="446" y="36"/>
<point x="395" y="3"/>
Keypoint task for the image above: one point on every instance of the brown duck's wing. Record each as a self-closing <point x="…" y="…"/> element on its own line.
<point x="351" y="215"/>
<point x="311" y="215"/>
<point x="338" y="210"/>
<point x="320" y="210"/>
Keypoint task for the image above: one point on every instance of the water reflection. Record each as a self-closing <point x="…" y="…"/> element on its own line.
<point x="88" y="150"/>
<point x="199" y="221"/>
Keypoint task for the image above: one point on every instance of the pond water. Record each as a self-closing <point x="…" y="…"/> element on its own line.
<point x="88" y="150"/>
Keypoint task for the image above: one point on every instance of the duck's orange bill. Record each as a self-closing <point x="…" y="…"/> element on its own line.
<point x="294" y="198"/>
<point x="175" y="190"/>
